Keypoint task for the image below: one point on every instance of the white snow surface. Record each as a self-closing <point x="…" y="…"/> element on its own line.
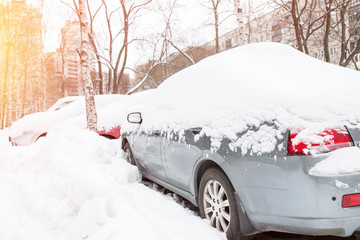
<point x="341" y="161"/>
<point x="75" y="185"/>
<point x="341" y="185"/>
<point x="4" y="138"/>
<point x="239" y="90"/>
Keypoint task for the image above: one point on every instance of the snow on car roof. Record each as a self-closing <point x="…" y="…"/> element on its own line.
<point x="63" y="100"/>
<point x="45" y="120"/>
<point x="249" y="86"/>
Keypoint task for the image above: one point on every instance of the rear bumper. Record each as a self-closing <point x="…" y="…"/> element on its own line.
<point x="281" y="196"/>
<point x="342" y="227"/>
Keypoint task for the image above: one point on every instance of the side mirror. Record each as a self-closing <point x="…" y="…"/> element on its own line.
<point x="134" y="117"/>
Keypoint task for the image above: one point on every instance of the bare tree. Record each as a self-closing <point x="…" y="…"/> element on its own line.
<point x="93" y="43"/>
<point x="166" y="49"/>
<point x="349" y="21"/>
<point x="307" y="19"/>
<point x="4" y="91"/>
<point x="117" y="62"/>
<point x="340" y="25"/>
<point x="21" y="24"/>
<point x="167" y="37"/>
<point x="219" y="16"/>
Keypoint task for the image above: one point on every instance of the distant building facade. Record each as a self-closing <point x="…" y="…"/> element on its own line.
<point x="63" y="68"/>
<point x="55" y="83"/>
<point x="70" y="60"/>
<point x="21" y="80"/>
<point x="277" y="26"/>
<point x="176" y="62"/>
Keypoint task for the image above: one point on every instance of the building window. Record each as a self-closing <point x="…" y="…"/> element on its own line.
<point x="277" y="35"/>
<point x="357" y="57"/>
<point x="332" y="51"/>
<point x="228" y="44"/>
<point x="234" y="41"/>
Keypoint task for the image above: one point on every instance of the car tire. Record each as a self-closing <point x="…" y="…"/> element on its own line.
<point x="128" y="154"/>
<point x="220" y="208"/>
<point x="41" y="136"/>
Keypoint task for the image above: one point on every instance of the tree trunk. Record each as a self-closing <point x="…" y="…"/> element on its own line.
<point x="85" y="69"/>
<point x="24" y="91"/>
<point x="7" y="65"/>
<point x="327" y="30"/>
<point x="295" y="18"/>
<point x="5" y="92"/>
<point x="217" y="44"/>
<point x="343" y="34"/>
<point x="124" y="49"/>
<point x="93" y="44"/>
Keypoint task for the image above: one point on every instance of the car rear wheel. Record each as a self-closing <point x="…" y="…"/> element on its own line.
<point x="217" y="204"/>
<point x="41" y="136"/>
<point x="128" y="154"/>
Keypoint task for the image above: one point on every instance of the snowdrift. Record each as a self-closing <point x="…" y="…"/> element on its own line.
<point x="75" y="185"/>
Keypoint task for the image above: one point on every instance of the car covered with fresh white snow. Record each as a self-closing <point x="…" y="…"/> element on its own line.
<point x="30" y="128"/>
<point x="260" y="138"/>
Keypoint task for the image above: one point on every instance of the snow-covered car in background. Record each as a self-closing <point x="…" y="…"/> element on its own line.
<point x="30" y="128"/>
<point x="260" y="138"/>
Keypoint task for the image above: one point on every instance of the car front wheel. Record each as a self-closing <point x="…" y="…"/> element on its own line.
<point x="217" y="204"/>
<point x="128" y="154"/>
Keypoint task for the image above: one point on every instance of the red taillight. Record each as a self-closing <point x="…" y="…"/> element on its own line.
<point x="114" y="132"/>
<point x="351" y="200"/>
<point x="325" y="141"/>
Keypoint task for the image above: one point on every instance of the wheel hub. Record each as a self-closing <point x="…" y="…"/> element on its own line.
<point x="216" y="205"/>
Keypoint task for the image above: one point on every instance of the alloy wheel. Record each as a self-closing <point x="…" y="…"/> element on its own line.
<point x="216" y="205"/>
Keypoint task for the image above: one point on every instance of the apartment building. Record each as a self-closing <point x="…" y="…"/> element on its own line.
<point x="277" y="26"/>
<point x="68" y="58"/>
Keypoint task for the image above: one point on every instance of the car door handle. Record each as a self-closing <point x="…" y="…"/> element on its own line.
<point x="195" y="130"/>
<point x="157" y="133"/>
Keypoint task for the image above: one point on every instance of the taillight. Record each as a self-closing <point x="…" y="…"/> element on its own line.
<point x="351" y="200"/>
<point x="325" y="141"/>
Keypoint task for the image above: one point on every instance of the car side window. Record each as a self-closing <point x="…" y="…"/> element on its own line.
<point x="64" y="104"/>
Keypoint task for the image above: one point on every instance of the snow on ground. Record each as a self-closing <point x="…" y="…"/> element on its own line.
<point x="239" y="90"/>
<point x="4" y="138"/>
<point x="74" y="184"/>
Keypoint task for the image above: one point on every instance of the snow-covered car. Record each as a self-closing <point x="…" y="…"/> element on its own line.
<point x="30" y="128"/>
<point x="260" y="138"/>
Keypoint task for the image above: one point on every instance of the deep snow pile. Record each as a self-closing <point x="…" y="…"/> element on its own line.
<point x="245" y="87"/>
<point x="4" y="138"/>
<point x="74" y="184"/>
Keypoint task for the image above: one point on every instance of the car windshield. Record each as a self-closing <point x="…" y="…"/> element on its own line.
<point x="64" y="104"/>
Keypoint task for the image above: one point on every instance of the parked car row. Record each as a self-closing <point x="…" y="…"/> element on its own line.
<point x="260" y="138"/>
<point x="32" y="127"/>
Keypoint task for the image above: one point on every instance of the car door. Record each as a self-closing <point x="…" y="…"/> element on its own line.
<point x="149" y="155"/>
<point x="146" y="148"/>
<point x="180" y="154"/>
